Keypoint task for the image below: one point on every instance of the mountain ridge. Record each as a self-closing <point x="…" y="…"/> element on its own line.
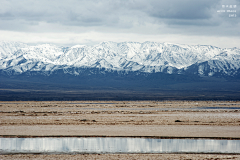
<point x="148" y="57"/>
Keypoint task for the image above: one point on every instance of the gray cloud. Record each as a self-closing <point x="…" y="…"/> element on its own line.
<point x="109" y="13"/>
<point x="145" y="17"/>
<point x="183" y="9"/>
<point x="71" y="12"/>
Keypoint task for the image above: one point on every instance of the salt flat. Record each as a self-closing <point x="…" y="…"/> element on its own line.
<point x="167" y="119"/>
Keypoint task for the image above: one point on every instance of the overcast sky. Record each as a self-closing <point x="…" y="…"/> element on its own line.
<point x="70" y="22"/>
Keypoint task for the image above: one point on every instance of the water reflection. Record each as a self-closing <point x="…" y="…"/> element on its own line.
<point x="150" y="109"/>
<point x="218" y="108"/>
<point x="92" y="103"/>
<point x="116" y="145"/>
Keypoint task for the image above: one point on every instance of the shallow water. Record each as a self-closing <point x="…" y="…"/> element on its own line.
<point x="148" y="108"/>
<point x="218" y="108"/>
<point x="91" y="103"/>
<point x="116" y="145"/>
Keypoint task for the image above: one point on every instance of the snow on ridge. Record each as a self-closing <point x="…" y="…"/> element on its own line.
<point x="146" y="56"/>
<point x="78" y="46"/>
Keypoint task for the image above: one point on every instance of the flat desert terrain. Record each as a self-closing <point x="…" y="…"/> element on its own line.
<point x="155" y="119"/>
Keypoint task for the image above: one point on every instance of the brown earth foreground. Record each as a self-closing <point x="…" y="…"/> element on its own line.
<point x="157" y="119"/>
<point x="123" y="156"/>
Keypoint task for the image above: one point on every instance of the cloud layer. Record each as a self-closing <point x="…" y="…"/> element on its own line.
<point x="145" y="19"/>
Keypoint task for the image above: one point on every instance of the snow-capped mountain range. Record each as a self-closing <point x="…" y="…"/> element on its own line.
<point x="148" y="57"/>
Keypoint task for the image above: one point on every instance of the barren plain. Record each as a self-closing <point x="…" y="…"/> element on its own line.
<point x="155" y="119"/>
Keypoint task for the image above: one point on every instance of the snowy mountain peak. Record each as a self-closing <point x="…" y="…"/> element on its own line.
<point x="128" y="56"/>
<point x="7" y="48"/>
<point x="78" y="46"/>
